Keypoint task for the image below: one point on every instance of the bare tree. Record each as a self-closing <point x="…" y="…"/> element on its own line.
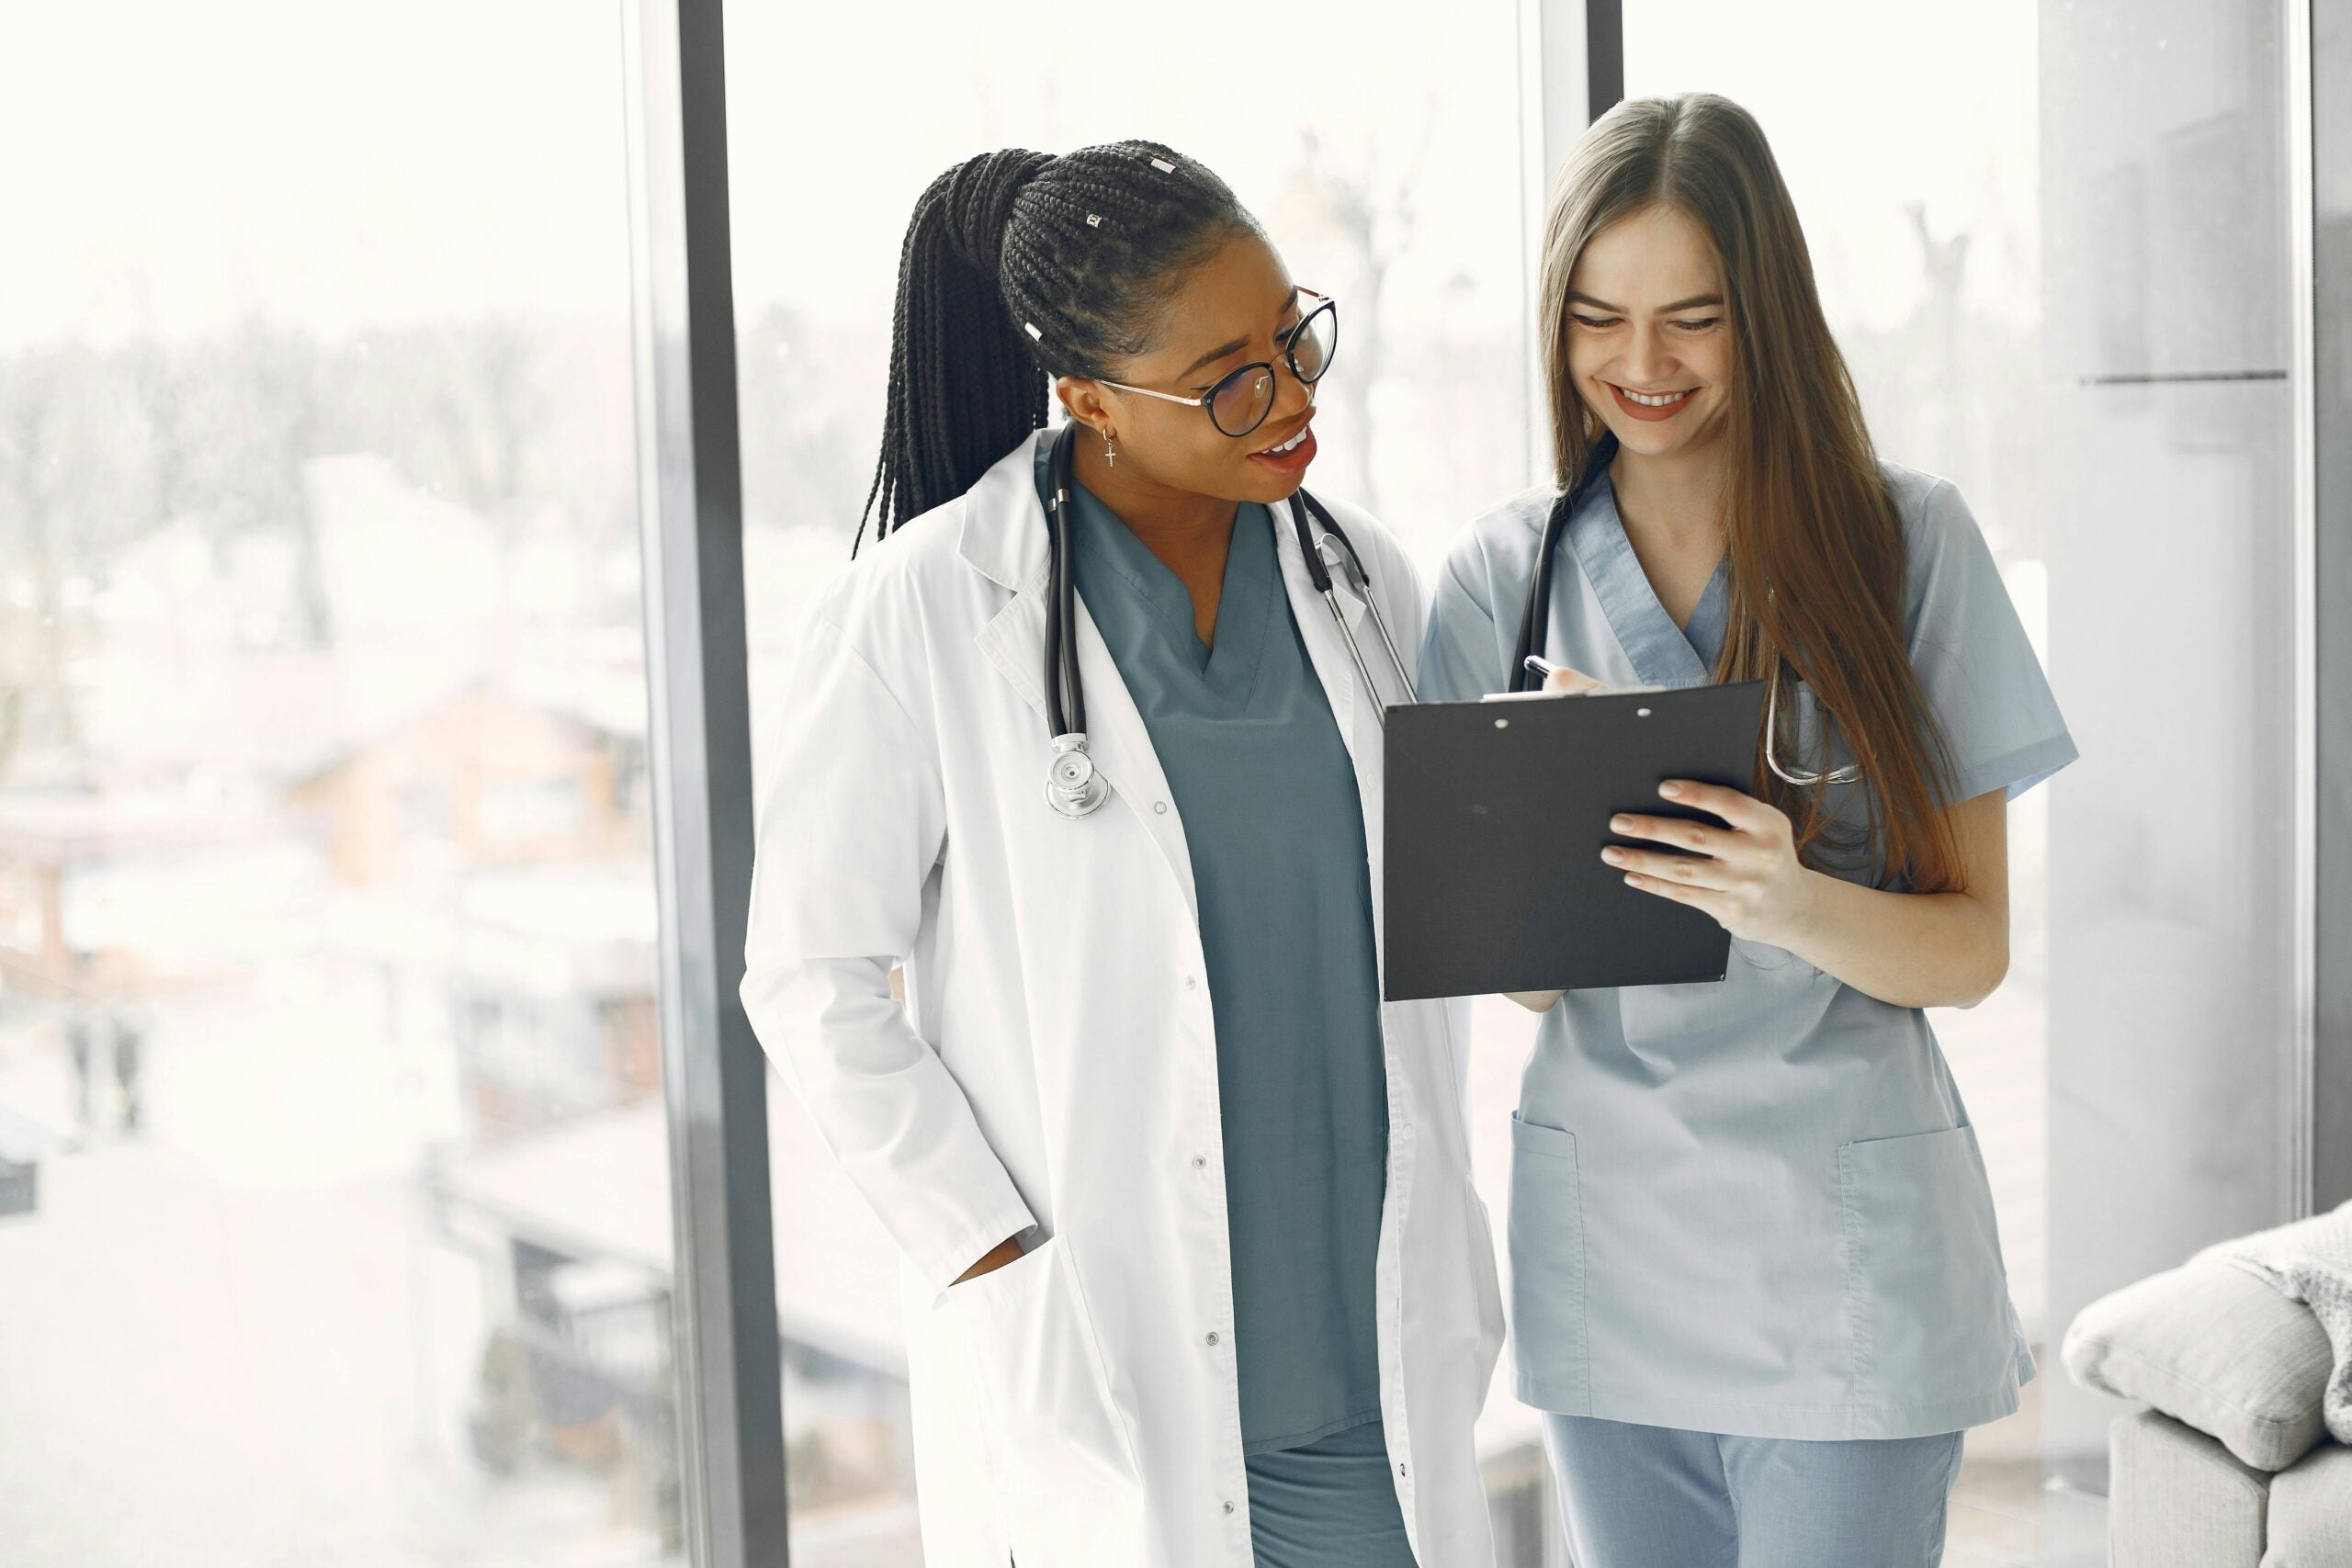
<point x="58" y="486"/>
<point x="1367" y="204"/>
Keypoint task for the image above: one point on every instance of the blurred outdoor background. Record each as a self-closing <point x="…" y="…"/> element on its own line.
<point x="327" y="918"/>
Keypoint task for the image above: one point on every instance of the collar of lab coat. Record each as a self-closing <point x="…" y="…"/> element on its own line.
<point x="1004" y="523"/>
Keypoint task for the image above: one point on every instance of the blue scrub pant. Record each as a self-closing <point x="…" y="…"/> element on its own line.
<point x="1658" y="1497"/>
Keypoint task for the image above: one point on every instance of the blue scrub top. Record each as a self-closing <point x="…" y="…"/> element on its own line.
<point x="1274" y="825"/>
<point x="1756" y="1206"/>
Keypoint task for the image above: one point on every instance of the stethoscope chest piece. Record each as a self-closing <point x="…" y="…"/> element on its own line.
<point x="1072" y="786"/>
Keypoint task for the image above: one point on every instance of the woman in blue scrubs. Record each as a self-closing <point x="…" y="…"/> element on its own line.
<point x="1756" y="1283"/>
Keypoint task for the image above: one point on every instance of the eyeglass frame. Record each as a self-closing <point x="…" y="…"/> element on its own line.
<point x="1289" y="356"/>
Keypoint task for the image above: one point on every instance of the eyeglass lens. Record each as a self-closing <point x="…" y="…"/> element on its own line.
<point x="1239" y="403"/>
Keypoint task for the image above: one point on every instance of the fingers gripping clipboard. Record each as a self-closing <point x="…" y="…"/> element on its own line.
<point x="1494" y="818"/>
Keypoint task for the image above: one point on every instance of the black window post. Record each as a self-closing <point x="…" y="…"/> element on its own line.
<point x="690" y="511"/>
<point x="1605" y="56"/>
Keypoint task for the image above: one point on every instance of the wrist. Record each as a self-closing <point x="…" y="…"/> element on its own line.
<point x="1800" y="925"/>
<point x="999" y="1255"/>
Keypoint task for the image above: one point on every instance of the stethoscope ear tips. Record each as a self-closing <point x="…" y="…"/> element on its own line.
<point x="1072" y="786"/>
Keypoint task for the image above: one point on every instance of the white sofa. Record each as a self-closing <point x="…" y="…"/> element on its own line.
<point x="2232" y="1465"/>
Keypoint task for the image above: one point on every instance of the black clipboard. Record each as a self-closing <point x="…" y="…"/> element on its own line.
<point x="1494" y="818"/>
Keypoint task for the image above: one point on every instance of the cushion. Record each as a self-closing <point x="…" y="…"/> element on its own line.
<point x="2311" y="1511"/>
<point x="2177" y="1499"/>
<point x="2311" y="1261"/>
<point x="2213" y="1345"/>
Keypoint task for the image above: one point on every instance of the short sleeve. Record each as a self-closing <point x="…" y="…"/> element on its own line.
<point x="1458" y="661"/>
<point x="1975" y="666"/>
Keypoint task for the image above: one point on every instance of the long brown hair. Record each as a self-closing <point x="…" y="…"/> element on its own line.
<point x="1806" y="510"/>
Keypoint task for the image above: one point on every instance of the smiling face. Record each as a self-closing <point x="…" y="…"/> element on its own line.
<point x="1237" y="307"/>
<point x="1649" y="341"/>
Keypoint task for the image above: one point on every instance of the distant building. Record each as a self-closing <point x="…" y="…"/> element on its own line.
<point x="500" y="780"/>
<point x="492" y="857"/>
<point x="575" y="1244"/>
<point x="140" y="881"/>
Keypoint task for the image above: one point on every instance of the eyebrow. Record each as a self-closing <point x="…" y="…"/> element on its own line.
<point x="1238" y="345"/>
<point x="1690" y="304"/>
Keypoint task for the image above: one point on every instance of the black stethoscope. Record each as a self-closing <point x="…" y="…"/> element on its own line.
<point x="1072" y="786"/>
<point x="1536" y="620"/>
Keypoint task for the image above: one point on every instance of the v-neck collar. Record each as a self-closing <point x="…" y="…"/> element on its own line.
<point x="1662" y="653"/>
<point x="1245" y="596"/>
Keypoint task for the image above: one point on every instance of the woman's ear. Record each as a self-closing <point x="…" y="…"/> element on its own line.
<point x="1083" y="399"/>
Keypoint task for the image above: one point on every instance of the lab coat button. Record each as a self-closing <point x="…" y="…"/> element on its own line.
<point x="1228" y="1507"/>
<point x="1190" y="982"/>
<point x="1200" y="1162"/>
<point x="1160" y="807"/>
<point x="1212" y="1336"/>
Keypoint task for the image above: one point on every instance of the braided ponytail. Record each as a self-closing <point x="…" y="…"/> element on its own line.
<point x="1019" y="266"/>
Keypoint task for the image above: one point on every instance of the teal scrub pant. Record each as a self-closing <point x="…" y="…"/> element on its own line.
<point x="1657" y="1497"/>
<point x="1329" y="1505"/>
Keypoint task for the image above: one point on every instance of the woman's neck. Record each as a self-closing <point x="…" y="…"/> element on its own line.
<point x="1188" y="531"/>
<point x="1676" y="502"/>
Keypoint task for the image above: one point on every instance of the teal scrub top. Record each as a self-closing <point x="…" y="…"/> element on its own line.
<point x="1756" y="1207"/>
<point x="1274" y="825"/>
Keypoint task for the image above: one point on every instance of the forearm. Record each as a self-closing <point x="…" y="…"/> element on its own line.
<point x="886" y="1106"/>
<point x="1916" y="950"/>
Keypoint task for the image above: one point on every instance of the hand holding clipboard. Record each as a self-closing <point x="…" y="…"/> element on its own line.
<point x="1496" y="812"/>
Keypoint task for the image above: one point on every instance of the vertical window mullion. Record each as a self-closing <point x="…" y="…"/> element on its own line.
<point x="691" y="520"/>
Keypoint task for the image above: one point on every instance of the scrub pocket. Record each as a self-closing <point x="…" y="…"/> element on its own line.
<point x="1547" y="1284"/>
<point x="1058" y="1438"/>
<point x="1924" y="1287"/>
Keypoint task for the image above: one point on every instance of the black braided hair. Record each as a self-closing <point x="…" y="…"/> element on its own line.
<point x="1085" y="249"/>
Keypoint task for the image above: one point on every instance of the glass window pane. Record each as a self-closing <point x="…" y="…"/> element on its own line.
<point x="1388" y="176"/>
<point x="327" y="920"/>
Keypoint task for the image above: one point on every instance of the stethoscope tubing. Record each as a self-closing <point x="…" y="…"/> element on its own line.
<point x="1072" y="787"/>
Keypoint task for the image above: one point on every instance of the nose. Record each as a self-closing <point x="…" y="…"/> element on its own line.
<point x="1650" y="358"/>
<point x="1291" y="395"/>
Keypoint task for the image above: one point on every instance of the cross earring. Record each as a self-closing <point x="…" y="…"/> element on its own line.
<point x="1110" y="454"/>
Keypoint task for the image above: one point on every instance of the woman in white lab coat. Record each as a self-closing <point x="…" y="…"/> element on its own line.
<point x="1194" y="1272"/>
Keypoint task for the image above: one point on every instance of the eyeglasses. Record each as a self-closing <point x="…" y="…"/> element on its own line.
<point x="1239" y="402"/>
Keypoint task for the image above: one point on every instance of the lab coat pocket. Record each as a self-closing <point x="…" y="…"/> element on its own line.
<point x="1061" y="1442"/>
<point x="1547" y="1278"/>
<point x="1927" y="1297"/>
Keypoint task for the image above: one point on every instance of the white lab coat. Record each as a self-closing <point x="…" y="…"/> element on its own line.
<point x="1054" y="1069"/>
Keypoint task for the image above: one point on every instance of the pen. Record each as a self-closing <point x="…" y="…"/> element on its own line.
<point x="1541" y="665"/>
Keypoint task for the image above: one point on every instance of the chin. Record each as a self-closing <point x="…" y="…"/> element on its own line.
<point x="1269" y="490"/>
<point x="1660" y="441"/>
